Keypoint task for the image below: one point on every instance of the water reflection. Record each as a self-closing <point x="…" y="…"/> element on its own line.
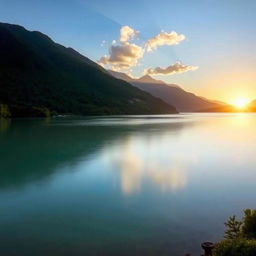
<point x="173" y="179"/>
<point x="156" y="151"/>
<point x="131" y="167"/>
<point x="42" y="147"/>
<point x="96" y="185"/>
<point x="166" y="158"/>
<point x="141" y="158"/>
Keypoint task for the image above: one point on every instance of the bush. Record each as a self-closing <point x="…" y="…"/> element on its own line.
<point x="235" y="247"/>
<point x="28" y="111"/>
<point x="234" y="228"/>
<point x="249" y="224"/>
<point x="4" y="111"/>
<point x="242" y="229"/>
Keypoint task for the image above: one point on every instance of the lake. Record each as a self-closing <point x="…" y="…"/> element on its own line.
<point x="126" y="185"/>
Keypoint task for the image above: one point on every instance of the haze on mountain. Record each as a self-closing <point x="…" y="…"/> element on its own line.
<point x="251" y="107"/>
<point x="39" y="77"/>
<point x="170" y="93"/>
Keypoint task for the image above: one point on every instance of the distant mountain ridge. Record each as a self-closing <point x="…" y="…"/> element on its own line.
<point x="39" y="77"/>
<point x="252" y="106"/>
<point x="170" y="93"/>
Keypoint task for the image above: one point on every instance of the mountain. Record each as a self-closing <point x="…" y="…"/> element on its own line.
<point x="252" y="106"/>
<point x="39" y="77"/>
<point x="221" y="109"/>
<point x="170" y="93"/>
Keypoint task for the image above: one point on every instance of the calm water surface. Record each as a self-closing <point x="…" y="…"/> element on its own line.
<point x="137" y="185"/>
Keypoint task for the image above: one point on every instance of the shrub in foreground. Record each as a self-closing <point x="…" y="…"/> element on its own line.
<point x="246" y="228"/>
<point x="235" y="247"/>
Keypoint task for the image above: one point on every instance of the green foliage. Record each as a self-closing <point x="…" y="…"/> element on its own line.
<point x="28" y="111"/>
<point x="249" y="224"/>
<point x="4" y="124"/>
<point x="240" y="236"/>
<point x="235" y="247"/>
<point x="44" y="111"/>
<point x="233" y="228"/>
<point x="4" y="111"/>
<point x="244" y="229"/>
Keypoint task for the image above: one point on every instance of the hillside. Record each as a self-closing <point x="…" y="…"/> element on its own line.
<point x="39" y="77"/>
<point x="221" y="109"/>
<point x="170" y="93"/>
<point x="252" y="106"/>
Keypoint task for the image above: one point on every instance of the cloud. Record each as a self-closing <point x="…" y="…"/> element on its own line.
<point x="127" y="33"/>
<point x="122" y="56"/>
<point x="170" y="70"/>
<point x="164" y="38"/>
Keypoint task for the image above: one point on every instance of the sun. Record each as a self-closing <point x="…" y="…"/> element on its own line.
<point x="240" y="103"/>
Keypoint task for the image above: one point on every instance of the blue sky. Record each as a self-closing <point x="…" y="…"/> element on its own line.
<point x="220" y="36"/>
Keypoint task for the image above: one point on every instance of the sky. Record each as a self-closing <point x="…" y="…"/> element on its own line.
<point x="205" y="46"/>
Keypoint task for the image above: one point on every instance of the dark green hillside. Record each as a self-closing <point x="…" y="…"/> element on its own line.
<point x="37" y="76"/>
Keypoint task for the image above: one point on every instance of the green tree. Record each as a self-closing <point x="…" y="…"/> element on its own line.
<point x="242" y="229"/>
<point x="249" y="224"/>
<point x="4" y="111"/>
<point x="240" y="236"/>
<point x="234" y="228"/>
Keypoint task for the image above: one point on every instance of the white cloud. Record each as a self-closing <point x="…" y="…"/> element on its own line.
<point x="170" y="70"/>
<point x="125" y="55"/>
<point x="127" y="33"/>
<point x="164" y="38"/>
<point x="122" y="56"/>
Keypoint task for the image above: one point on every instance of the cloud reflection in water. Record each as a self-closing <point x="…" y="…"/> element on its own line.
<point x="139" y="160"/>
